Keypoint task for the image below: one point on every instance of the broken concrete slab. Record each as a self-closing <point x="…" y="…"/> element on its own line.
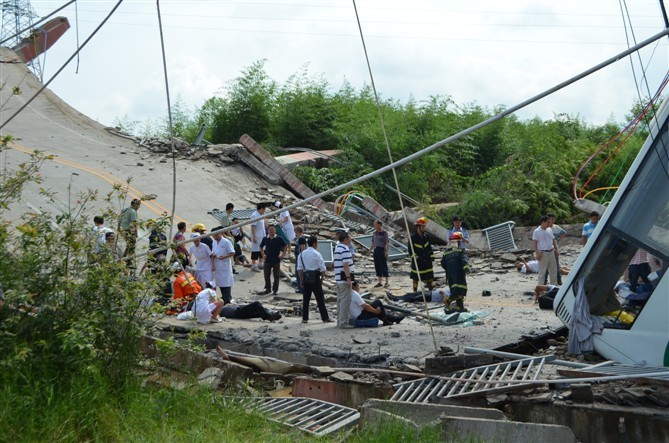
<point x="497" y="430"/>
<point x="423" y="413"/>
<point x="448" y="364"/>
<point x="351" y="394"/>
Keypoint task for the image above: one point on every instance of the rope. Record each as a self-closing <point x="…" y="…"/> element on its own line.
<point x="169" y="122"/>
<point x="390" y="158"/>
<point x="627" y="132"/>
<point x="76" y="19"/>
<point x="46" y="85"/>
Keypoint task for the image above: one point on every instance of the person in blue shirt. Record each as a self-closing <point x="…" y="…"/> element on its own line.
<point x="589" y="227"/>
<point x="457" y="227"/>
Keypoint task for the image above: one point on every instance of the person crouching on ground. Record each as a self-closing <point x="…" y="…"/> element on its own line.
<point x="207" y="306"/>
<point x="184" y="289"/>
<point x="456" y="265"/>
<point x="360" y="310"/>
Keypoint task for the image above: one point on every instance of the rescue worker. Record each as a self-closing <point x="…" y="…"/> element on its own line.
<point x="456" y="265"/>
<point x="421" y="255"/>
<point x="184" y="289"/>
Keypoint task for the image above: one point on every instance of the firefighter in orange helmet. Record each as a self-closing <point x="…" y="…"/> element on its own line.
<point x="421" y="255"/>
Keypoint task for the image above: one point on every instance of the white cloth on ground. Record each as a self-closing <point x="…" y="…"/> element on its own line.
<point x="582" y="325"/>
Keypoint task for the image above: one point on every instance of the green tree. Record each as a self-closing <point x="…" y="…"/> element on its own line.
<point x="248" y="105"/>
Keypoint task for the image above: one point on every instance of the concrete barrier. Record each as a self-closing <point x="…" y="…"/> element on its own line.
<point x="424" y="413"/>
<point x="476" y="429"/>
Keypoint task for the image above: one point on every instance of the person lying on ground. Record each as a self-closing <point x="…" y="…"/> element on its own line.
<point x="360" y="310"/>
<point x="532" y="267"/>
<point x="540" y="290"/>
<point x="251" y="310"/>
<point x="434" y="296"/>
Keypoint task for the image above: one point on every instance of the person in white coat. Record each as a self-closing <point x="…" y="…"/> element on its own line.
<point x="286" y="223"/>
<point x="223" y="254"/>
<point x="204" y="263"/>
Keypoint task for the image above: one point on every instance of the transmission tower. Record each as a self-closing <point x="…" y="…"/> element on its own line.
<point x="17" y="15"/>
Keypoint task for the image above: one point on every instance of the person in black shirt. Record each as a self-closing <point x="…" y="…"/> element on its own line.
<point x="273" y="248"/>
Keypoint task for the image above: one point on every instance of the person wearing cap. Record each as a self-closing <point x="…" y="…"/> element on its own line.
<point x="258" y="232"/>
<point x="223" y="254"/>
<point x="201" y="229"/>
<point x="184" y="288"/>
<point x="128" y="227"/>
<point x="457" y="227"/>
<point x="456" y="265"/>
<point x="421" y="255"/>
<point x="204" y="262"/>
<point x="286" y="223"/>
<point x="360" y="310"/>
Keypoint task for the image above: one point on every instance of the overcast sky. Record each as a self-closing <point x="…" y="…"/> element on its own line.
<point x="488" y="52"/>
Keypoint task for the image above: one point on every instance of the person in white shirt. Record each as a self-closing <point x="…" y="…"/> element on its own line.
<point x="311" y="261"/>
<point x="360" y="310"/>
<point x="532" y="267"/>
<point x="286" y="223"/>
<point x="206" y="306"/>
<point x="343" y="270"/>
<point x="258" y="232"/>
<point x="545" y="251"/>
<point x="223" y="254"/>
<point x="434" y="296"/>
<point x="204" y="264"/>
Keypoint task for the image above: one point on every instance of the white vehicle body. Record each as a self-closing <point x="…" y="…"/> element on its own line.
<point x="636" y="218"/>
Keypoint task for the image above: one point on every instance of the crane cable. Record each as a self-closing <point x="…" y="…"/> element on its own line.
<point x="390" y="158"/>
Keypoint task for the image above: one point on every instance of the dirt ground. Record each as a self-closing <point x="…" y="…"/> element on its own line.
<point x="508" y="314"/>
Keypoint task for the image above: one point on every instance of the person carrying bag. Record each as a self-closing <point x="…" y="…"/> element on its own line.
<point x="310" y="268"/>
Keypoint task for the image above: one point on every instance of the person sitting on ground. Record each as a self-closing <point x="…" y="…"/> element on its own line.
<point x="184" y="289"/>
<point x="252" y="310"/>
<point x="532" y="267"/>
<point x="207" y="306"/>
<point x="360" y="310"/>
<point x="434" y="296"/>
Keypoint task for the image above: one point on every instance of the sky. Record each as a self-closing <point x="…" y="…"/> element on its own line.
<point x="476" y="51"/>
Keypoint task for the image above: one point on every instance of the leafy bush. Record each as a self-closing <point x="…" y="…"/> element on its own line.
<point x="72" y="317"/>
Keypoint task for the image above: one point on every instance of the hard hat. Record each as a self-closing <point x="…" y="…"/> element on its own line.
<point x="176" y="266"/>
<point x="199" y="227"/>
<point x="456" y="236"/>
<point x="421" y="222"/>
